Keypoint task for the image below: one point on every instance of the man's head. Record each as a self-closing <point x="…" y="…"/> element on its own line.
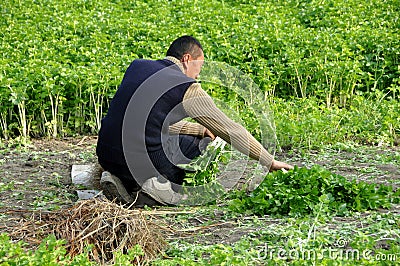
<point x="190" y="52"/>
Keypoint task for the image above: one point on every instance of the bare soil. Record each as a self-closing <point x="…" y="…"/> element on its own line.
<point x="37" y="177"/>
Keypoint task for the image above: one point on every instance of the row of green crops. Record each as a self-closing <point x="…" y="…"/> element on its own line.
<point x="304" y="123"/>
<point x="63" y="60"/>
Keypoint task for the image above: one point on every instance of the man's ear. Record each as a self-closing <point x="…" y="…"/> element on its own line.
<point x="185" y="60"/>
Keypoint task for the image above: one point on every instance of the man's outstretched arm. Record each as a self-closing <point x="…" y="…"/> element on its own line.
<point x="200" y="106"/>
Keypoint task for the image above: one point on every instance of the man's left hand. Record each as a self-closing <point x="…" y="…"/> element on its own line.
<point x="208" y="133"/>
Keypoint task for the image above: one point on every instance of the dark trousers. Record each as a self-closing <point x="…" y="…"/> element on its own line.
<point x="189" y="147"/>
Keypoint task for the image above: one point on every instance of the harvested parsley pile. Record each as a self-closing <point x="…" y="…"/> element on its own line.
<point x="303" y="191"/>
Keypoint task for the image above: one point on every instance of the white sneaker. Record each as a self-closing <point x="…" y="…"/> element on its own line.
<point x="161" y="191"/>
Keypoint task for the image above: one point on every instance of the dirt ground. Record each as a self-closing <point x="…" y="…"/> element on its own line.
<point x="41" y="171"/>
<point x="38" y="177"/>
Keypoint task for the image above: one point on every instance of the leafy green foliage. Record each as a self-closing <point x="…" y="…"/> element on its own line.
<point x="63" y="60"/>
<point x="304" y="191"/>
<point x="53" y="252"/>
<point x="50" y="252"/>
<point x="289" y="242"/>
<point x="6" y="186"/>
<point x="205" y="167"/>
<point x="217" y="254"/>
<point x="307" y="123"/>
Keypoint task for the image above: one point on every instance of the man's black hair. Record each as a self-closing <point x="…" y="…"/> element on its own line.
<point x="185" y="45"/>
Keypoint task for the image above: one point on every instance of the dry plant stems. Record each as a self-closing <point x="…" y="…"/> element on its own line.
<point x="106" y="226"/>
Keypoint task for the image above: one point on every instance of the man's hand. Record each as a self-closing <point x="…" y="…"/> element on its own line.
<point x="277" y="165"/>
<point x="208" y="133"/>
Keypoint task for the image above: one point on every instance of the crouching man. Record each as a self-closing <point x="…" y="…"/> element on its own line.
<point x="143" y="137"/>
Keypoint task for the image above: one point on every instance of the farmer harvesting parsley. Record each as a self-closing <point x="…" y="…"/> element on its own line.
<point x="143" y="138"/>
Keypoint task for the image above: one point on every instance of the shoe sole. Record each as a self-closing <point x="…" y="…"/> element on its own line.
<point x="113" y="189"/>
<point x="143" y="199"/>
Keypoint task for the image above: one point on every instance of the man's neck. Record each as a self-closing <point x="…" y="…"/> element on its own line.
<point x="176" y="61"/>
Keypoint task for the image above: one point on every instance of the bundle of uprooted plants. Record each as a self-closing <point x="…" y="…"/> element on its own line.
<point x="104" y="225"/>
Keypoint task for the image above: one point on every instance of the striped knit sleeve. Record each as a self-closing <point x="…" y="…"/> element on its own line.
<point x="200" y="106"/>
<point x="188" y="128"/>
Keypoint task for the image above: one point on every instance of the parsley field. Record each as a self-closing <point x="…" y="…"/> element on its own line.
<point x="63" y="60"/>
<point x="329" y="70"/>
